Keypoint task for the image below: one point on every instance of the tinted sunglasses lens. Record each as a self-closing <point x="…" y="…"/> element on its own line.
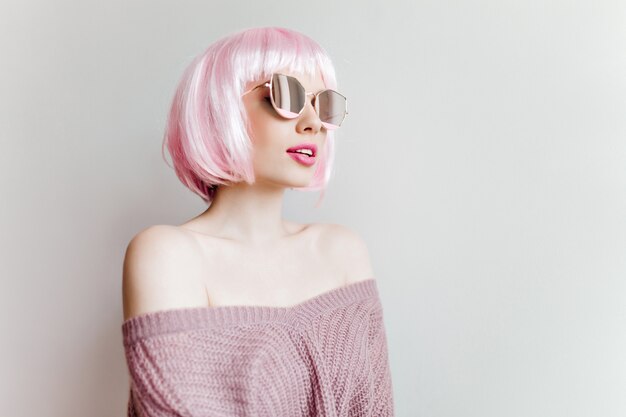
<point x="332" y="108"/>
<point x="288" y="94"/>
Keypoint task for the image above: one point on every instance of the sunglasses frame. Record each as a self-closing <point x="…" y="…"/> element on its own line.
<point x="279" y="111"/>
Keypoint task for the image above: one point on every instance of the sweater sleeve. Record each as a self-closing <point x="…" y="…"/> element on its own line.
<point x="383" y="405"/>
<point x="156" y="366"/>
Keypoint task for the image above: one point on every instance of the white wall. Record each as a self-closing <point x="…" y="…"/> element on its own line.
<point x="484" y="161"/>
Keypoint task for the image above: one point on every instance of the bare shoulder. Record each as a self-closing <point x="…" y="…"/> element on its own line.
<point x="348" y="248"/>
<point x="158" y="271"/>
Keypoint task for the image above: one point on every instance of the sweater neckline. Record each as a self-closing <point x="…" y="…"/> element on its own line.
<point x="189" y="318"/>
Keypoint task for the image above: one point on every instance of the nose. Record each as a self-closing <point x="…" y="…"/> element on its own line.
<point x="309" y="119"/>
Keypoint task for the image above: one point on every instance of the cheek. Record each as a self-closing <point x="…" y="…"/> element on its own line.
<point x="260" y="129"/>
<point x="269" y="132"/>
<point x="265" y="138"/>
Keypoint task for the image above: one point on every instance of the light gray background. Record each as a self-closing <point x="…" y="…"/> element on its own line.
<point x="484" y="161"/>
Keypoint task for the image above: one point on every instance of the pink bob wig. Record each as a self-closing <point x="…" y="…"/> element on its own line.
<point x="206" y="133"/>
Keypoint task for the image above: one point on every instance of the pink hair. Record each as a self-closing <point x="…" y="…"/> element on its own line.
<point x="206" y="132"/>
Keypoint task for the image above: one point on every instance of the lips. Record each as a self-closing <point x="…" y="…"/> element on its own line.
<point x="303" y="153"/>
<point x="304" y="146"/>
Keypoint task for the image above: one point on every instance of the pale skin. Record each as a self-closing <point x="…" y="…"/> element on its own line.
<point x="241" y="251"/>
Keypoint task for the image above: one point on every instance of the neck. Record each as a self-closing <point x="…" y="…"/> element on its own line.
<point x="250" y="214"/>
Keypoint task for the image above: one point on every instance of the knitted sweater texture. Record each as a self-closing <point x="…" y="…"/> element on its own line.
<point x="326" y="356"/>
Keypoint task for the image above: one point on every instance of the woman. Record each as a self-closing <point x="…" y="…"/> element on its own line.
<point x="239" y="312"/>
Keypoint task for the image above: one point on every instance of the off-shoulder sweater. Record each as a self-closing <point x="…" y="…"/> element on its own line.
<point x="326" y="356"/>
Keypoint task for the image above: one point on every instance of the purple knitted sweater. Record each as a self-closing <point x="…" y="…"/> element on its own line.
<point x="326" y="356"/>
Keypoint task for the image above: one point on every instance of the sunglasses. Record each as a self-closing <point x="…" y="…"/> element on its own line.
<point x="288" y="98"/>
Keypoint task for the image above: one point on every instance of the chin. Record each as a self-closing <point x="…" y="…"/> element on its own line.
<point x="288" y="182"/>
<point x="304" y="183"/>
